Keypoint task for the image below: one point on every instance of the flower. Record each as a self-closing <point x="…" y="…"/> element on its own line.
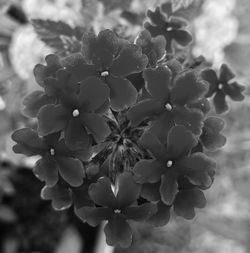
<point x="116" y="209"/>
<point x="172" y="161"/>
<point x="168" y="103"/>
<point x="79" y="111"/>
<point x="55" y="157"/>
<point x="221" y="86"/>
<point x="170" y="27"/>
<point x="111" y="59"/>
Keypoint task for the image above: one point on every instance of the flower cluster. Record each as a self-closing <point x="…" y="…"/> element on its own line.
<point x="122" y="128"/>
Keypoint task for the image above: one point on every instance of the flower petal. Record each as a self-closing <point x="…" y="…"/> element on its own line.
<point x="128" y="190"/>
<point x="28" y="142"/>
<point x="130" y="60"/>
<point x="101" y="193"/>
<point x="182" y="37"/>
<point x="211" y="137"/>
<point x="76" y="136"/>
<point x="60" y="196"/>
<point x="220" y="103"/>
<point x="188" y="89"/>
<point x="168" y="188"/>
<point x="34" y="102"/>
<point x="162" y="216"/>
<point x="180" y="142"/>
<point x="158" y="82"/>
<point x="140" y="213"/>
<point x="234" y="91"/>
<point x="118" y="232"/>
<point x="198" y="168"/>
<point x="157" y="17"/>
<point x="144" y="109"/>
<point x="148" y="171"/>
<point x="71" y="170"/>
<point x="51" y="119"/>
<point x="96" y="124"/>
<point x="186" y="201"/>
<point x="46" y="169"/>
<point x="81" y="197"/>
<point x="122" y="93"/>
<point x="151" y="192"/>
<point x="226" y="74"/>
<point x="153" y="144"/>
<point x="210" y="76"/>
<point x="94" y="216"/>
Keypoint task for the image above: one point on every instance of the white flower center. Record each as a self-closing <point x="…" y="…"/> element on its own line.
<point x="104" y="73"/>
<point x="168" y="107"/>
<point x="75" y="113"/>
<point x="169" y="163"/>
<point x="220" y="86"/>
<point x="52" y="151"/>
<point x="117" y="211"/>
<point x="170" y="29"/>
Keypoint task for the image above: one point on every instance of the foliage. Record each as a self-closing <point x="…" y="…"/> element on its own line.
<point x="122" y="128"/>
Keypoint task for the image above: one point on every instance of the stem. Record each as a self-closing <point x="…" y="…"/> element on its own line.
<point x="101" y="245"/>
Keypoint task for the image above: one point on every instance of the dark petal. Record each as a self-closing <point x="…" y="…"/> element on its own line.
<point x="71" y="170"/>
<point x="137" y="80"/>
<point x="94" y="216"/>
<point x="148" y="171"/>
<point x="144" y="109"/>
<point x="96" y="125"/>
<point x="161" y="125"/>
<point x="157" y="17"/>
<point x="153" y="144"/>
<point x="220" y="103"/>
<point x="162" y="216"/>
<point x="122" y="93"/>
<point x="188" y="89"/>
<point x="51" y="119"/>
<point x="130" y="60"/>
<point x="182" y="37"/>
<point x="158" y="82"/>
<point x="211" y="137"/>
<point x="168" y="188"/>
<point x="226" y="74"/>
<point x="140" y="213"/>
<point x="177" y="22"/>
<point x="100" y="50"/>
<point x="42" y="72"/>
<point x="180" y="142"/>
<point x="128" y="190"/>
<point x="101" y="193"/>
<point x="198" y="168"/>
<point x="81" y="197"/>
<point x="154" y="30"/>
<point x="60" y="196"/>
<point x="93" y="94"/>
<point x="28" y="142"/>
<point x="192" y="119"/>
<point x="46" y="169"/>
<point x="118" y="232"/>
<point x="234" y="91"/>
<point x="151" y="192"/>
<point x="52" y="139"/>
<point x="210" y="76"/>
<point x="175" y="66"/>
<point x="34" y="102"/>
<point x="186" y="201"/>
<point x="202" y="105"/>
<point x="76" y="136"/>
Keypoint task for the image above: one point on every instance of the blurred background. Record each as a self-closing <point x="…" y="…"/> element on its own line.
<point x="221" y="30"/>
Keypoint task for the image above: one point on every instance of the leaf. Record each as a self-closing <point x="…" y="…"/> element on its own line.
<point x="59" y="35"/>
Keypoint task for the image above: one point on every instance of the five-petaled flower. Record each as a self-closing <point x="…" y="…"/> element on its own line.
<point x="173" y="160"/>
<point x="170" y="27"/>
<point x="78" y="113"/>
<point x="112" y="59"/>
<point x="168" y="104"/>
<point x="221" y="86"/>
<point x="116" y="208"/>
<point x="55" y="159"/>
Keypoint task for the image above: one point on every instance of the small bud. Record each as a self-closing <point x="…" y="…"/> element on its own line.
<point x="168" y="107"/>
<point x="75" y="113"/>
<point x="52" y="152"/>
<point x="169" y="163"/>
<point x="104" y="73"/>
<point x="117" y="211"/>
